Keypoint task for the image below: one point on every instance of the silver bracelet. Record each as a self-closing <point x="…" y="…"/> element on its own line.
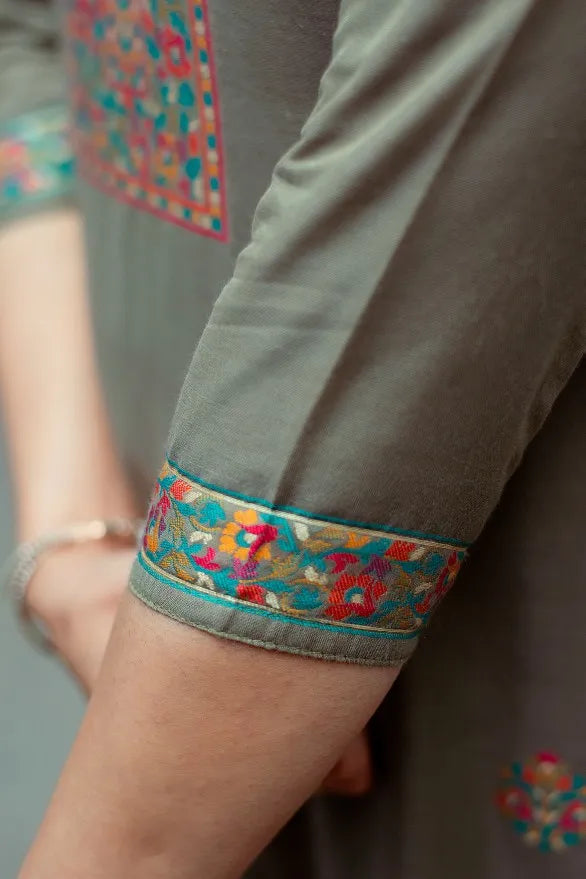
<point x="24" y="561"/>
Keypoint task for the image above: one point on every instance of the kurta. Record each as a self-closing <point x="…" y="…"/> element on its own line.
<point x="356" y="234"/>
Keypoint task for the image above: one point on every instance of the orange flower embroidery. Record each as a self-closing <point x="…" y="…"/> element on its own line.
<point x="239" y="537"/>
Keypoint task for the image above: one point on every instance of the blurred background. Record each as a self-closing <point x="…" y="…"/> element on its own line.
<point x="40" y="711"/>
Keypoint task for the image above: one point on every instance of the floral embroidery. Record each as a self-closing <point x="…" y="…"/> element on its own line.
<point x="247" y="536"/>
<point x="339" y="574"/>
<point x="545" y="802"/>
<point x="36" y="161"/>
<point x="146" y="109"/>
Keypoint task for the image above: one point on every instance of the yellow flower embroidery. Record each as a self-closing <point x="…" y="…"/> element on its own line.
<point x="355" y="541"/>
<point x="264" y="552"/>
<point x="231" y="540"/>
<point x="151" y="541"/>
<point x="246" y="517"/>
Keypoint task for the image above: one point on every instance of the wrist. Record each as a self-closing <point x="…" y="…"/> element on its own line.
<point x="78" y="500"/>
<point x="73" y="580"/>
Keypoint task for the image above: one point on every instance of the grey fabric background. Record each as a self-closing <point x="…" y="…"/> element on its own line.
<point x="39" y="713"/>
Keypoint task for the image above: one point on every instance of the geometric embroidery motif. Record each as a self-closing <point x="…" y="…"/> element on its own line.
<point x="545" y="802"/>
<point x="341" y="575"/>
<point x="145" y="107"/>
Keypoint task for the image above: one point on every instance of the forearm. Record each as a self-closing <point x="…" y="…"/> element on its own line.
<point x="196" y="751"/>
<point x="63" y="459"/>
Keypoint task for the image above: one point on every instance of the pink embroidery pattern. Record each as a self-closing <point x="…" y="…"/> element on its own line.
<point x="145" y="107"/>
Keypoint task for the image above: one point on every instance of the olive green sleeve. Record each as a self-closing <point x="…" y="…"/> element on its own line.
<point x="409" y="307"/>
<point x="36" y="160"/>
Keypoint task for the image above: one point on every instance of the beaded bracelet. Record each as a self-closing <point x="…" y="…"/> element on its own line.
<point x="24" y="561"/>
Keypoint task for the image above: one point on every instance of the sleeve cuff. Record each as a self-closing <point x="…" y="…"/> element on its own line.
<point x="36" y="161"/>
<point x="285" y="580"/>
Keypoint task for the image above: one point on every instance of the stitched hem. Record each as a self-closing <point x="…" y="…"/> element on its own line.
<point x="249" y="625"/>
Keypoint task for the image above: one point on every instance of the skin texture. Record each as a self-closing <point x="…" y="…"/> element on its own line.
<point x="63" y="460"/>
<point x="196" y="751"/>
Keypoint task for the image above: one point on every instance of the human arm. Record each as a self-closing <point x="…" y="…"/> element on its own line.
<point x="193" y="752"/>
<point x="63" y="462"/>
<point x="64" y="466"/>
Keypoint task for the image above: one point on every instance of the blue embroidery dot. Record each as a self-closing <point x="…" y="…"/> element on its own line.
<point x="11" y="188"/>
<point x="212" y="513"/>
<point x="199" y="13"/>
<point x="216" y="225"/>
<point x="193" y="167"/>
<point x="178" y="22"/>
<point x="203" y="56"/>
<point x="153" y="49"/>
<point x="307" y="599"/>
<point x="214" y="184"/>
<point x="212" y="141"/>
<point x="66" y="167"/>
<point x="208" y="99"/>
<point x="185" y="95"/>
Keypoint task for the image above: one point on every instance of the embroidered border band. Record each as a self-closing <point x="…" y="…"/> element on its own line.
<point x="292" y="569"/>
<point x="36" y="161"/>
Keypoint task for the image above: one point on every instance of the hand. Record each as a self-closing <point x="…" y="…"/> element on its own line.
<point x="75" y="593"/>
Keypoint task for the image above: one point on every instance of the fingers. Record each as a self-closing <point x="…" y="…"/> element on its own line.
<point x="352" y="774"/>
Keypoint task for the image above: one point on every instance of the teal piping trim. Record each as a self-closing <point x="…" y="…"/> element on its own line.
<point x="214" y="598"/>
<point x="418" y="535"/>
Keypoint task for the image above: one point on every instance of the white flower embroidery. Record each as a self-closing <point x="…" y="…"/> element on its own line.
<point x="301" y="530"/>
<point x="417" y="553"/>
<point x="423" y="587"/>
<point x="272" y="600"/>
<point x="314" y="576"/>
<point x="191" y="495"/>
<point x="203" y="580"/>
<point x="199" y="537"/>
